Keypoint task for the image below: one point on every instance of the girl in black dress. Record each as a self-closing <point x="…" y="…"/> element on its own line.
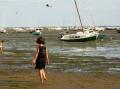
<point x="41" y="58"/>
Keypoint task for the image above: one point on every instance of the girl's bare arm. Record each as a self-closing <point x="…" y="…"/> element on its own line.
<point x="35" y="56"/>
<point x="47" y="58"/>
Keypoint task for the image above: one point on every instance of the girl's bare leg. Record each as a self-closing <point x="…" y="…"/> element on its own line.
<point x="40" y="75"/>
<point x="1" y="50"/>
<point x="44" y="75"/>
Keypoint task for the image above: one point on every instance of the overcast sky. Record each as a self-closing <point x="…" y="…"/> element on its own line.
<point x="29" y="13"/>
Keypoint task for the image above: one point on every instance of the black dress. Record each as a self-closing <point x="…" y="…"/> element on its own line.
<point x="41" y="58"/>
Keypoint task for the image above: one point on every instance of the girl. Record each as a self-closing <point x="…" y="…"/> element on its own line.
<point x="41" y="58"/>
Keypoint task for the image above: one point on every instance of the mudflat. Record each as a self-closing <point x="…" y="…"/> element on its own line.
<point x="28" y="79"/>
<point x="16" y="71"/>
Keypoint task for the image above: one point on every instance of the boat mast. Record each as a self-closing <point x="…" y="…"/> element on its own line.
<point x="78" y="14"/>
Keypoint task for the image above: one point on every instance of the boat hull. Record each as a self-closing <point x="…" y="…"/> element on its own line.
<point x="80" y="39"/>
<point x="36" y="33"/>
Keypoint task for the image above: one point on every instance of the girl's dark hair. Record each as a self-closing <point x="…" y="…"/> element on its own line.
<point x="2" y="41"/>
<point x="40" y="40"/>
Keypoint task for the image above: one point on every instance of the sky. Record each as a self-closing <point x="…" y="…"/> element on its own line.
<point x="34" y="13"/>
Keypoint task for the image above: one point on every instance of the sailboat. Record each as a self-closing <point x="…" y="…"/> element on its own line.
<point x="81" y="36"/>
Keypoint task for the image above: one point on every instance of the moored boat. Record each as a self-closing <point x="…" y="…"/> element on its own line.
<point x="81" y="36"/>
<point x="37" y="32"/>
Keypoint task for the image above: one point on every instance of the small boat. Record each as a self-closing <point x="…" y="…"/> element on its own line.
<point x="2" y="30"/>
<point x="37" y="32"/>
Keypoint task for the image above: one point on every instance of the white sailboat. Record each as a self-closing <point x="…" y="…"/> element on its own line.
<point x="84" y="35"/>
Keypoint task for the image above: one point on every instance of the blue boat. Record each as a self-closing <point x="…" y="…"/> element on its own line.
<point x="37" y="32"/>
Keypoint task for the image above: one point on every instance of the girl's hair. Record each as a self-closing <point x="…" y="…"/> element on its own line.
<point x="2" y="41"/>
<point x="40" y="40"/>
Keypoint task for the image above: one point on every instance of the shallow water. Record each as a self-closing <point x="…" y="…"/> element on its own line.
<point x="93" y="56"/>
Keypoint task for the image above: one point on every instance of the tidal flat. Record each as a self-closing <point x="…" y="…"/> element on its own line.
<point x="73" y="65"/>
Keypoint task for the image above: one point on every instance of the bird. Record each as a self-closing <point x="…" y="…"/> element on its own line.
<point x="47" y="5"/>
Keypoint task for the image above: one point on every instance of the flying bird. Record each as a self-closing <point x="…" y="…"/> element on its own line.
<point x="47" y="5"/>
